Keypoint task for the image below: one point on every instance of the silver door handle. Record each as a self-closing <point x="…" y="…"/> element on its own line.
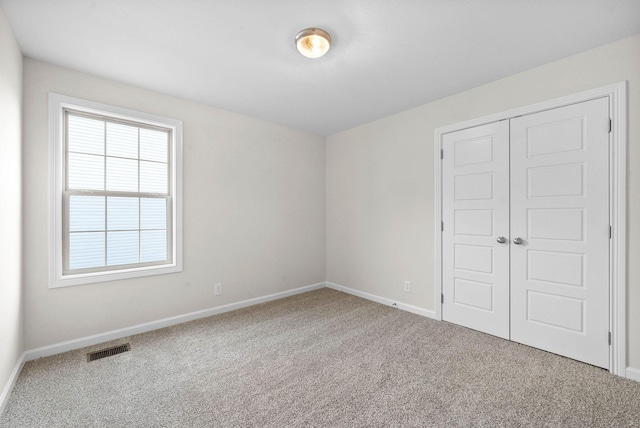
<point x="501" y="240"/>
<point x="518" y="241"/>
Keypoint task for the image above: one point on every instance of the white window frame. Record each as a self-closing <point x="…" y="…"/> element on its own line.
<point x="57" y="106"/>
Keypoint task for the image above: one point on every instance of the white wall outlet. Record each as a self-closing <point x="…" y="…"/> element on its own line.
<point x="217" y="289"/>
<point x="407" y="287"/>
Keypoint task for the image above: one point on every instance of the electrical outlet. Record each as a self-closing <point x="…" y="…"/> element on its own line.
<point x="407" y="286"/>
<point x="217" y="289"/>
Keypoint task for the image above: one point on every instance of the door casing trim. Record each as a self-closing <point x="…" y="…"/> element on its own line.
<point x="617" y="94"/>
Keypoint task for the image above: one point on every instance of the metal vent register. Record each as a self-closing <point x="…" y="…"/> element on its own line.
<point x="92" y="356"/>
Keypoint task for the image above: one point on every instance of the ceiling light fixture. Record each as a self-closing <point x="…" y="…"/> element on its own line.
<point x="313" y="42"/>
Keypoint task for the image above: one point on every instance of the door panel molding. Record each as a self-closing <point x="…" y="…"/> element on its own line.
<point x="617" y="203"/>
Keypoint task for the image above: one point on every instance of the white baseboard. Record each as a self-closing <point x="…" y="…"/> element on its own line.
<point x="70" y="345"/>
<point x="633" y="374"/>
<point x="383" y="300"/>
<point x="6" y="392"/>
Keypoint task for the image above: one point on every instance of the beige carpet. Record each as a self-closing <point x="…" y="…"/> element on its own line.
<point x="322" y="358"/>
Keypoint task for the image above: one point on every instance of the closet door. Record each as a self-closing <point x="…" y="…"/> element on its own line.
<point x="560" y="231"/>
<point x="475" y="204"/>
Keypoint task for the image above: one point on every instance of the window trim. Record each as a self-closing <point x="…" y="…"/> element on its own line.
<point x="57" y="106"/>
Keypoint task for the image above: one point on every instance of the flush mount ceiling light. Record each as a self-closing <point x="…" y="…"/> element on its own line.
<point x="313" y="42"/>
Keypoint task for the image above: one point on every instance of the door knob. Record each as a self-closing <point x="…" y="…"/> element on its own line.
<point x="502" y="240"/>
<point x="518" y="241"/>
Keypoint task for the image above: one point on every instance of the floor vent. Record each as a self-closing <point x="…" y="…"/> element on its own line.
<point x="92" y="356"/>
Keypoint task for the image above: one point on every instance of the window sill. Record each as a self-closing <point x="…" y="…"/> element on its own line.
<point x="89" y="278"/>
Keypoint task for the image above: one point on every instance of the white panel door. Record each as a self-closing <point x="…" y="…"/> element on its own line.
<point x="475" y="205"/>
<point x="560" y="211"/>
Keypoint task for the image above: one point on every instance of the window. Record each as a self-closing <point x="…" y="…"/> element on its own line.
<point x="116" y="193"/>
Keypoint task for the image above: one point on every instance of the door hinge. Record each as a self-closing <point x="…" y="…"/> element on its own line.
<point x="610" y="233"/>
<point x="610" y="125"/>
<point x="441" y="153"/>
<point x="442" y="298"/>
<point x="609" y="338"/>
<point x="442" y="226"/>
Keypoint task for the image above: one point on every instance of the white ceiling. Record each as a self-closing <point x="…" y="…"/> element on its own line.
<point x="387" y="55"/>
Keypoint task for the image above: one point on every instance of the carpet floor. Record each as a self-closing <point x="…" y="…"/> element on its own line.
<point x="322" y="358"/>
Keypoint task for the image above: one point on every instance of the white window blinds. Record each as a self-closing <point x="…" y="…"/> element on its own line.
<point x="117" y="196"/>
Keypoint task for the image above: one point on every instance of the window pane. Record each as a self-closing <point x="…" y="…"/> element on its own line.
<point x="122" y="248"/>
<point x="153" y="213"/>
<point x="122" y="175"/>
<point x="85" y="135"/>
<point x="153" y="177"/>
<point x="153" y="145"/>
<point x="122" y="140"/>
<point x="153" y="245"/>
<point x="85" y="172"/>
<point x="86" y="213"/>
<point x="86" y="250"/>
<point x="122" y="213"/>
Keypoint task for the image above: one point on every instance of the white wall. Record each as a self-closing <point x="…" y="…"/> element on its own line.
<point x="11" y="316"/>
<point x="254" y="213"/>
<point x="380" y="178"/>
